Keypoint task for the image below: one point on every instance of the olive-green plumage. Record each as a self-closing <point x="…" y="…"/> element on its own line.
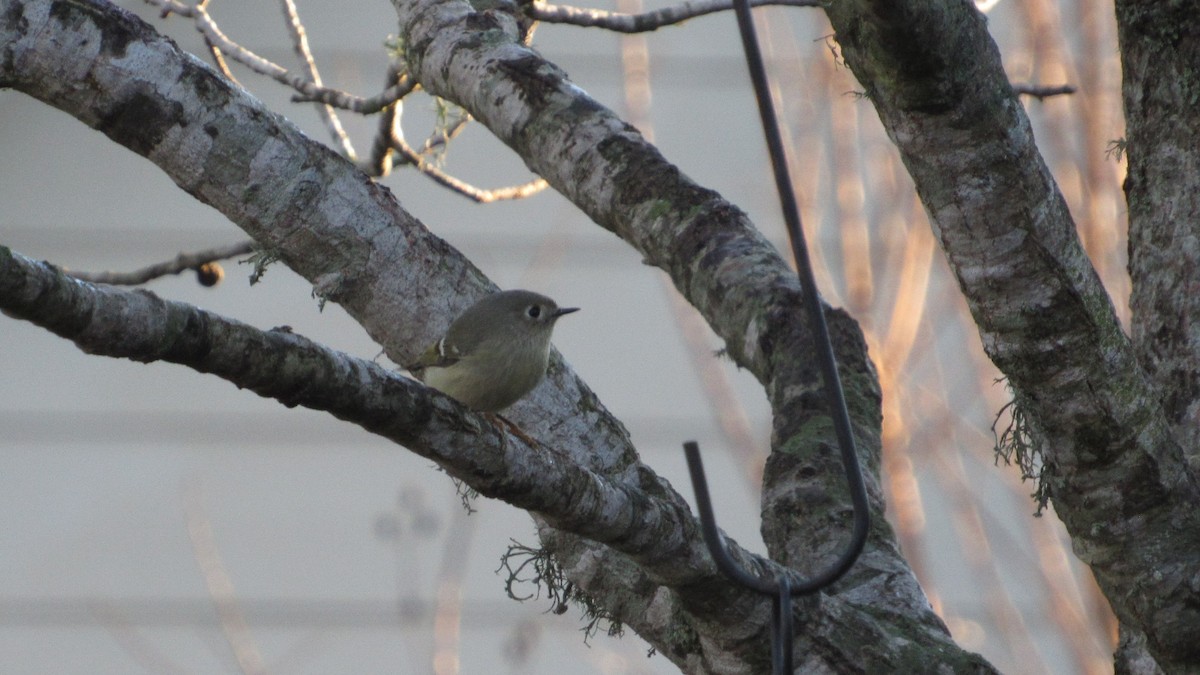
<point x="495" y="352"/>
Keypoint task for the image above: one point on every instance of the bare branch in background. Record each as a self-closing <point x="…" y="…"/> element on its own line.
<point x="180" y="264"/>
<point x="379" y="163"/>
<point x="308" y="90"/>
<point x="1042" y="92"/>
<point x="442" y="137"/>
<point x="326" y="111"/>
<point x="219" y="583"/>
<point x="467" y="190"/>
<point x="363" y="106"/>
<point x="219" y="61"/>
<point x="390" y="136"/>
<point x="648" y="21"/>
<point x="668" y="16"/>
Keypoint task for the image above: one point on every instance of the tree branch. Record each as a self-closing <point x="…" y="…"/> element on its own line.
<point x="715" y="257"/>
<point x="379" y="163"/>
<point x="1159" y="55"/>
<point x="326" y="111"/>
<point x="1160" y="82"/>
<point x="648" y="522"/>
<point x="287" y="367"/>
<point x="181" y="263"/>
<point x="218" y="58"/>
<point x="1118" y="479"/>
<point x="1040" y="92"/>
<point x="463" y="188"/>
<point x="647" y="21"/>
<point x="309" y="90"/>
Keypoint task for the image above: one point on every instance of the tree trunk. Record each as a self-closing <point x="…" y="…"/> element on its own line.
<point x="1120" y="476"/>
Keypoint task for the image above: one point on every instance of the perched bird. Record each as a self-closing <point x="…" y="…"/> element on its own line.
<point x="495" y="352"/>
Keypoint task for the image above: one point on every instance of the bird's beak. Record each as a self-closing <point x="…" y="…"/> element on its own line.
<point x="564" y="310"/>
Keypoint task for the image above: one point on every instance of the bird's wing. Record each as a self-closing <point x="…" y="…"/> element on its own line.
<point x="437" y="356"/>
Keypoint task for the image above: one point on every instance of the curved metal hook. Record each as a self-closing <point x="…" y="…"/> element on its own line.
<point x="787" y="584"/>
<point x="712" y="536"/>
<point x="816" y="314"/>
<point x="730" y="568"/>
<point x="781" y="617"/>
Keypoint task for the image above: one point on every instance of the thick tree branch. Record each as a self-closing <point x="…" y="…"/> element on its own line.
<point x="649" y="522"/>
<point x="1118" y="478"/>
<point x="714" y="255"/>
<point x="332" y="225"/>
<point x="716" y="259"/>
<point x="1160" y="50"/>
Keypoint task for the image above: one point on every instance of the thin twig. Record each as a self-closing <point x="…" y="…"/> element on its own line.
<point x="307" y="90"/>
<point x="219" y="60"/>
<point x="467" y="190"/>
<point x="217" y="581"/>
<point x="442" y="138"/>
<point x="390" y="135"/>
<point x="363" y="106"/>
<point x="380" y="161"/>
<point x="648" y="21"/>
<point x="379" y="164"/>
<point x="327" y="112"/>
<point x="1042" y="93"/>
<point x="181" y="263"/>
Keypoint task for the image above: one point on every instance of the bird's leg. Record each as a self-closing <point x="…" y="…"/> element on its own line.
<point x="503" y="422"/>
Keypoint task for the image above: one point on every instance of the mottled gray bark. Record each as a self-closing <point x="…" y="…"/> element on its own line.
<point x="715" y="258"/>
<point x="1119" y="472"/>
<point x="359" y="248"/>
<point x="1160" y="59"/>
<point x="647" y="521"/>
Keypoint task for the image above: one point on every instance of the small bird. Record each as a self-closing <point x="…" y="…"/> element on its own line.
<point x="495" y="352"/>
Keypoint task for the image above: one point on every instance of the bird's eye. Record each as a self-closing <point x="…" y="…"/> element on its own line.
<point x="534" y="311"/>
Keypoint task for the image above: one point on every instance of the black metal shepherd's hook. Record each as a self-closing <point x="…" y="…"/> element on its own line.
<point x="788" y="584"/>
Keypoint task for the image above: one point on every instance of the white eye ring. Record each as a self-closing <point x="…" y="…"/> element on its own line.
<point x="534" y="311"/>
